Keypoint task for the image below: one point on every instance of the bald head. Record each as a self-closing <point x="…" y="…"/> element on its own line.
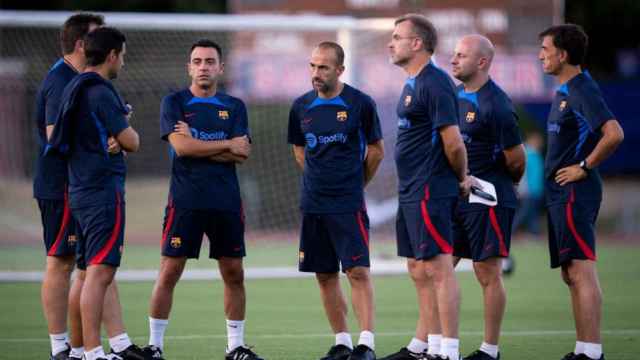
<point x="472" y="58"/>
<point x="480" y="46"/>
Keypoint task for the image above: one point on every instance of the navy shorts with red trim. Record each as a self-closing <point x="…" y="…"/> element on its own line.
<point x="102" y="229"/>
<point x="424" y="229"/>
<point x="59" y="227"/>
<point x="483" y="233"/>
<point x="572" y="231"/>
<point x="184" y="229"/>
<point x="329" y="242"/>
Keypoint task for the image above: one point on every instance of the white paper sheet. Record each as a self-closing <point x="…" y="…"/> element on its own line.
<point x="489" y="189"/>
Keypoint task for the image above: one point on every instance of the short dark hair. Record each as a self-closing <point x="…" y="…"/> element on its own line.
<point x="336" y="48"/>
<point x="206" y="43"/>
<point x="99" y="43"/>
<point x="570" y="38"/>
<point x="75" y="28"/>
<point x="423" y="28"/>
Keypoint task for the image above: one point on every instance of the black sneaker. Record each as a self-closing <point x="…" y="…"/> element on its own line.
<point x="405" y="354"/>
<point x="362" y="352"/>
<point x="338" y="352"/>
<point x="569" y="356"/>
<point x="242" y="353"/>
<point x="63" y="355"/>
<point x="585" y="357"/>
<point x="133" y="352"/>
<point x="480" y="355"/>
<point x="152" y="352"/>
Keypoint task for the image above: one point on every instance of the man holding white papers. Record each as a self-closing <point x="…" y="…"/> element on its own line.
<point x="496" y="155"/>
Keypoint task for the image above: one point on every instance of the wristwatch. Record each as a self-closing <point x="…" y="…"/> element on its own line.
<point x="583" y="165"/>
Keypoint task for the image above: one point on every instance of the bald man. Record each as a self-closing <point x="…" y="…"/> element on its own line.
<point x="490" y="131"/>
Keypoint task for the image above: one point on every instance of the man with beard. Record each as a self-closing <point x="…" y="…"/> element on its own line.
<point x="337" y="142"/>
<point x="208" y="133"/>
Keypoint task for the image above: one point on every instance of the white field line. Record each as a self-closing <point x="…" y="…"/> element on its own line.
<point x="516" y="333"/>
<point x="378" y="267"/>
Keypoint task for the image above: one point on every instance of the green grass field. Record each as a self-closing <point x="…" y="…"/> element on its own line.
<point x="286" y="322"/>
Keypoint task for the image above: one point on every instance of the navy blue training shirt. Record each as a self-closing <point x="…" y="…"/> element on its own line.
<point x="200" y="183"/>
<point x="428" y="103"/>
<point x="577" y="112"/>
<point x="335" y="133"/>
<point x="488" y="124"/>
<point x="50" y="179"/>
<point x="95" y="176"/>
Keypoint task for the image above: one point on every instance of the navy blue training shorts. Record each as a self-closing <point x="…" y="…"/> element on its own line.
<point x="184" y="229"/>
<point x="331" y="241"/>
<point x="572" y="231"/>
<point x="424" y="229"/>
<point x="102" y="229"/>
<point x="483" y="233"/>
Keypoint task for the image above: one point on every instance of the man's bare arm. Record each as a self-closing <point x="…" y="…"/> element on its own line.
<point x="515" y="161"/>
<point x="375" y="154"/>
<point x="298" y="154"/>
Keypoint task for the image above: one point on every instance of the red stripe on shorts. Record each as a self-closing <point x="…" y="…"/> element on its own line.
<point x="581" y="243"/>
<point x="496" y="228"/>
<point x="102" y="254"/>
<point x="440" y="241"/>
<point x="169" y="223"/>
<point x="66" y="216"/>
<point x="363" y="229"/>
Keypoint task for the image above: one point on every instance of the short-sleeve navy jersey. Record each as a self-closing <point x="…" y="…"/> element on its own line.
<point x="200" y="183"/>
<point x="488" y="124"/>
<point x="95" y="176"/>
<point x="577" y="112"/>
<point x="428" y="103"/>
<point x="335" y="133"/>
<point x="50" y="178"/>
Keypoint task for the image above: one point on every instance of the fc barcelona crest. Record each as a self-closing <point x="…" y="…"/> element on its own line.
<point x="342" y="116"/>
<point x="471" y="117"/>
<point x="407" y="100"/>
<point x="563" y="105"/>
<point x="223" y="114"/>
<point x="176" y="242"/>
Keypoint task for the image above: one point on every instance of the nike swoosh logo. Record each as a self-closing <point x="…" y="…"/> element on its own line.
<point x="187" y="115"/>
<point x="355" y="258"/>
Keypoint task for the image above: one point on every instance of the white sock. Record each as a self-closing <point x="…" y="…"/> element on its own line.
<point x="59" y="342"/>
<point x="434" y="341"/>
<point x="77" y="352"/>
<point x="120" y="342"/>
<point x="579" y="347"/>
<point x="593" y="350"/>
<point x="489" y="349"/>
<point x="450" y="348"/>
<point x="366" y="338"/>
<point x="344" y="338"/>
<point x="94" y="354"/>
<point x="157" y="328"/>
<point x="417" y="346"/>
<point x="235" y="334"/>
